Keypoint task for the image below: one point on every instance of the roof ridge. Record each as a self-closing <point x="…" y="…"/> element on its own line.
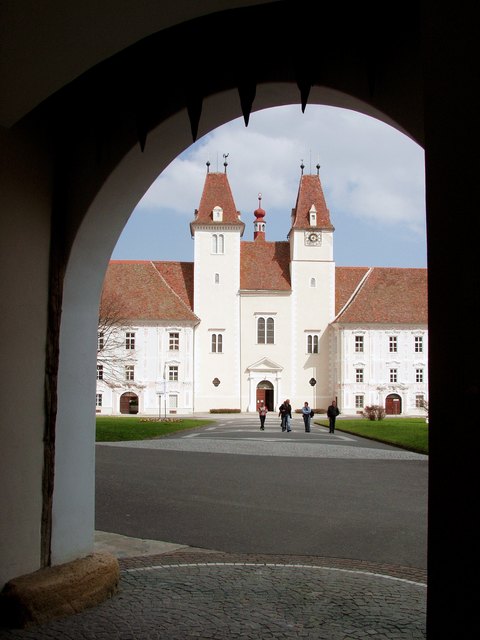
<point x="152" y="262"/>
<point x="355" y="293"/>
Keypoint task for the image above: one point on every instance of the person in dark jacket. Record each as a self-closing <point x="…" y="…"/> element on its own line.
<point x="285" y="412"/>
<point x="332" y="413"/>
<point x="307" y="416"/>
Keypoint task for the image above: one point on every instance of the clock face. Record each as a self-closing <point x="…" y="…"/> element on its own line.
<point x="312" y="238"/>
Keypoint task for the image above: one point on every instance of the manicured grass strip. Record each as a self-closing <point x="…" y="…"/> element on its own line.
<point x="117" y="429"/>
<point x="407" y="433"/>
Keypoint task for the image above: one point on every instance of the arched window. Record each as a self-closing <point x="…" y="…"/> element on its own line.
<point x="265" y="330"/>
<point x="217" y="343"/>
<point x="218" y="243"/>
<point x="313" y="282"/>
<point x="217" y="278"/>
<point x="312" y="343"/>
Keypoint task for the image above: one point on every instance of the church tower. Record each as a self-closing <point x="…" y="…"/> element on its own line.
<point x="217" y="230"/>
<point x="312" y="270"/>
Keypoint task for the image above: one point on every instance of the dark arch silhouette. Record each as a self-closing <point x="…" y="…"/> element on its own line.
<point x="82" y="159"/>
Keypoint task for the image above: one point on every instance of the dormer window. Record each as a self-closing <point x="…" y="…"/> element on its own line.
<point x="312" y="216"/>
<point x="217" y="214"/>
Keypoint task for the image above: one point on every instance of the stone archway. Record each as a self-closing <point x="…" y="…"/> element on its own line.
<point x="129" y="403"/>
<point x="73" y="175"/>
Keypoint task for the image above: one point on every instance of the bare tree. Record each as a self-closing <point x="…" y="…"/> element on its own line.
<point x="114" y="351"/>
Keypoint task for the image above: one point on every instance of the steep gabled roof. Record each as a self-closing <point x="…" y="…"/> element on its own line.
<point x="265" y="266"/>
<point x="179" y="276"/>
<point x="386" y="295"/>
<point x="347" y="279"/>
<point x="138" y="291"/>
<point x="217" y="193"/>
<point x="310" y="193"/>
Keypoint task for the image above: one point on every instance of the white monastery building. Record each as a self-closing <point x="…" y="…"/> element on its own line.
<point x="258" y="320"/>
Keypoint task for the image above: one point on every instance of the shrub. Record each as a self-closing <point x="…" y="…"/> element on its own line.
<point x="316" y="411"/>
<point x="374" y="412"/>
<point x="225" y="411"/>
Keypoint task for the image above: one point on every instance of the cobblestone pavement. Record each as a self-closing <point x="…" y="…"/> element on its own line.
<point x="209" y="595"/>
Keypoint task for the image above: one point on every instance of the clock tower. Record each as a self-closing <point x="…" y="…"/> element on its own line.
<point x="312" y="272"/>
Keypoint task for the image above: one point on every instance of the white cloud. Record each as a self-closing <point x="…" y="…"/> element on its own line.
<point x="371" y="174"/>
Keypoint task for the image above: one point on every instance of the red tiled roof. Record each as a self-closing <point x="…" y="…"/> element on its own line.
<point x="347" y="280"/>
<point x="138" y="291"/>
<point x="179" y="276"/>
<point x="217" y="192"/>
<point x="388" y="295"/>
<point x="310" y="193"/>
<point x="265" y="266"/>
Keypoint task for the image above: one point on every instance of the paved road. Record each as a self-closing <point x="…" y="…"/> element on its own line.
<point x="341" y="521"/>
<point x="231" y="487"/>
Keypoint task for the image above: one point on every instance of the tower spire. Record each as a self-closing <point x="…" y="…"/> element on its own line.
<point x="259" y="224"/>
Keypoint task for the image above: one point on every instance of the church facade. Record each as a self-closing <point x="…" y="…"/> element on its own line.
<point x="257" y="320"/>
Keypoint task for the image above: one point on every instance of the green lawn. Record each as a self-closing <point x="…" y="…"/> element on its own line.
<point x="115" y="429"/>
<point x="407" y="433"/>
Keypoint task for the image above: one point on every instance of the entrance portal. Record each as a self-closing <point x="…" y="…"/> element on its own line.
<point x="265" y="393"/>
<point x="393" y="405"/>
<point x="129" y="402"/>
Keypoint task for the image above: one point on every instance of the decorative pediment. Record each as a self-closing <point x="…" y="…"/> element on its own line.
<point x="265" y="364"/>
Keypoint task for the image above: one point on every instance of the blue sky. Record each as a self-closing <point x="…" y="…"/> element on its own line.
<point x="372" y="176"/>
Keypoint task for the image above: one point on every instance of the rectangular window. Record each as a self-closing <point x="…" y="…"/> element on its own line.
<point x="100" y="341"/>
<point x="173" y="372"/>
<point x="312" y="344"/>
<point x="418" y="344"/>
<point x="392" y="344"/>
<point x="130" y="340"/>
<point x="393" y="375"/>
<point x="99" y="371"/>
<point x="419" y="375"/>
<point x="173" y="401"/>
<point x="129" y="372"/>
<point x="358" y="375"/>
<point x="359" y="344"/>
<point x="359" y="402"/>
<point x="419" y="401"/>
<point x="98" y="400"/>
<point x="174" y="341"/>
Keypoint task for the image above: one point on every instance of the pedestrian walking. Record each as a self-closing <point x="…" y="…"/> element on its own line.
<point x="262" y="412"/>
<point x="285" y="413"/>
<point x="332" y="413"/>
<point x="307" y="416"/>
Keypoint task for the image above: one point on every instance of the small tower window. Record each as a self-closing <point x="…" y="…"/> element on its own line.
<point x="217" y="278"/>
<point x="313" y="283"/>
<point x="312" y="214"/>
<point x="217" y="214"/>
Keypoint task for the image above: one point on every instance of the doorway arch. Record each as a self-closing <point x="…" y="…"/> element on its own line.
<point x="129" y="403"/>
<point x="265" y="393"/>
<point x="393" y="404"/>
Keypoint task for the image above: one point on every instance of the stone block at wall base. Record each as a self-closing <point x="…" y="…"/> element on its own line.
<point x="59" y="591"/>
